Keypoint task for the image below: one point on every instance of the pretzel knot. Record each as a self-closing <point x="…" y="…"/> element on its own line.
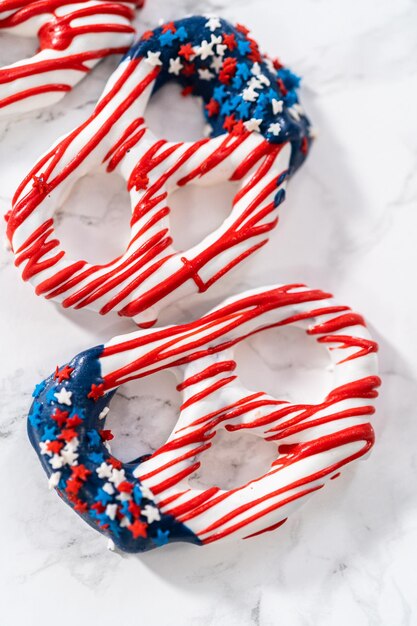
<point x="149" y="501"/>
<point x="73" y="37"/>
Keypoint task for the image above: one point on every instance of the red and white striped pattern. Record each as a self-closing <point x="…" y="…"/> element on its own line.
<point x="150" y="273"/>
<point x="73" y="38"/>
<point x="313" y="441"/>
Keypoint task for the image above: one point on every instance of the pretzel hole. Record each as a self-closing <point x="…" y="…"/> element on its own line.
<point x="93" y="221"/>
<point x="142" y="415"/>
<point x="233" y="460"/>
<point x="285" y="363"/>
<point x="198" y="211"/>
<point x="173" y="116"/>
<point x="15" y="48"/>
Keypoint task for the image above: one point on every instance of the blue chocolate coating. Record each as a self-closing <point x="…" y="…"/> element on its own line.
<point x="168" y="41"/>
<point x="91" y="499"/>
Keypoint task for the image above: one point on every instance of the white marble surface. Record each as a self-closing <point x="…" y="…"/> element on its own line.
<point x="348" y="226"/>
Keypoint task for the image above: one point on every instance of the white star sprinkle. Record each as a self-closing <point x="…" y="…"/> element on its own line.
<point x="124" y="522"/>
<point x="205" y="50"/>
<point x="205" y="74"/>
<point x="277" y="106"/>
<point x="249" y="94"/>
<point x="107" y="446"/>
<point x="104" y="470"/>
<point x="117" y="476"/>
<point x="175" y="66"/>
<point x="63" y="396"/>
<point x="151" y="513"/>
<point x="111" y="510"/>
<point x="69" y="457"/>
<point x="264" y="80"/>
<point x="57" y="461"/>
<point x="54" y="480"/>
<point x="216" y="64"/>
<point x="108" y="487"/>
<point x="123" y="497"/>
<point x="221" y="49"/>
<point x="256" y="69"/>
<point x="73" y="445"/>
<point x="153" y="58"/>
<point x="104" y="413"/>
<point x="43" y="445"/>
<point x="213" y="23"/>
<point x="253" y="125"/>
<point x="275" y="129"/>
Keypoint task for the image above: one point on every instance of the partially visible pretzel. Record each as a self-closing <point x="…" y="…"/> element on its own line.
<point x="148" y="502"/>
<point x="73" y="36"/>
<point x="260" y="136"/>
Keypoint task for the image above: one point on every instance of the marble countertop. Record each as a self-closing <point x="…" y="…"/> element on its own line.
<point x="348" y="556"/>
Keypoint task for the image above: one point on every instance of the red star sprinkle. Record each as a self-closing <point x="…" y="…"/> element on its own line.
<point x="188" y="70"/>
<point x="148" y="34"/>
<point x="186" y="51"/>
<point x="67" y="434"/>
<point x="97" y="506"/>
<point x="80" y="472"/>
<point x="187" y="91"/>
<point x="140" y="181"/>
<point x="230" y="41"/>
<point x="170" y="26"/>
<point x="80" y="506"/>
<point x="239" y="128"/>
<point x="74" y="421"/>
<point x="229" y="122"/>
<point x="242" y="29"/>
<point x="40" y="184"/>
<point x="63" y="374"/>
<point x="60" y="417"/>
<point x="125" y="487"/>
<point x="282" y="87"/>
<point x="134" y="508"/>
<point x="138" y="529"/>
<point x="304" y="145"/>
<point x="55" y="446"/>
<point x="73" y="486"/>
<point x="106" y="435"/>
<point x="96" y="392"/>
<point x="212" y="107"/>
<point x="115" y="463"/>
<point x="277" y="64"/>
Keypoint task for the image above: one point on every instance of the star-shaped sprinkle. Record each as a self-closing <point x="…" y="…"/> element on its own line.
<point x="186" y="51"/>
<point x="151" y="513"/>
<point x="54" y="479"/>
<point x="205" y="49"/>
<point x="104" y="413"/>
<point x="108" y="488"/>
<point x="274" y="129"/>
<point x="38" y="389"/>
<point x="216" y="64"/>
<point x="96" y="391"/>
<point x="63" y="374"/>
<point x="166" y="38"/>
<point x="277" y="106"/>
<point x="213" y="23"/>
<point x="117" y="476"/>
<point x="63" y="396"/>
<point x="104" y="470"/>
<point x="153" y="58"/>
<point x="253" y="125"/>
<point x="60" y="417"/>
<point x="249" y="94"/>
<point x="221" y="49"/>
<point x="175" y="66"/>
<point x="111" y="510"/>
<point x="80" y="472"/>
<point x="161" y="538"/>
<point x="69" y="457"/>
<point x="212" y="108"/>
<point x="181" y="33"/>
<point x="146" y="492"/>
<point x="230" y="41"/>
<point x="56" y="461"/>
<point x="205" y="74"/>
<point x="103" y="497"/>
<point x="138" y="529"/>
<point x="93" y="437"/>
<point x="44" y="448"/>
